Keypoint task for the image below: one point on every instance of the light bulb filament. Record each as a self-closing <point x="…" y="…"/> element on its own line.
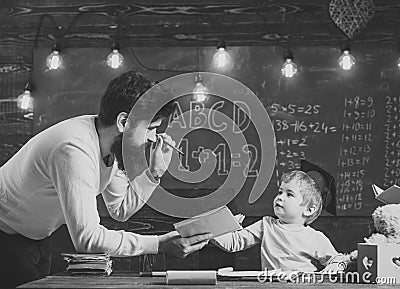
<point x="222" y="60"/>
<point x="54" y="60"/>
<point x="289" y="68"/>
<point x="115" y="59"/>
<point x="25" y="101"/>
<point x="346" y="60"/>
<point x="200" y="92"/>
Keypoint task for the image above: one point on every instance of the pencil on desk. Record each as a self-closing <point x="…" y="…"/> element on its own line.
<point x="153" y="274"/>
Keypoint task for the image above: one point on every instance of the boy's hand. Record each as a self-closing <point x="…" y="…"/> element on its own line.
<point x="239" y="218"/>
<point x="334" y="267"/>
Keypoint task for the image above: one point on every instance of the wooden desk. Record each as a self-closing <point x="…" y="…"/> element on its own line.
<point x="132" y="280"/>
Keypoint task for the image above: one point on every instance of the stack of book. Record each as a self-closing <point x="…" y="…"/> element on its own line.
<point x="89" y="264"/>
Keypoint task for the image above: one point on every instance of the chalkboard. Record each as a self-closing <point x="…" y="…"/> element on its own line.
<point x="347" y="122"/>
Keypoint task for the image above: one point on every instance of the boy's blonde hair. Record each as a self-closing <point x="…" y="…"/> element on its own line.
<point x="310" y="191"/>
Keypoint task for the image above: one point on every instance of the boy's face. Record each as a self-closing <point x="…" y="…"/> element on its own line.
<point x="287" y="204"/>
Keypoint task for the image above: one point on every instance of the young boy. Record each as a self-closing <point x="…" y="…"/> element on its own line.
<point x="287" y="242"/>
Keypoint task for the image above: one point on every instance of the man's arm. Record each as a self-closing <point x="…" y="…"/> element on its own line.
<point x="123" y="198"/>
<point x="75" y="178"/>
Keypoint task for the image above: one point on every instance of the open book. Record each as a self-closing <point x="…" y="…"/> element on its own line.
<point x="388" y="196"/>
<point x="217" y="222"/>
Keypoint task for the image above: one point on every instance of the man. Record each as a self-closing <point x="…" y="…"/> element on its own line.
<point x="55" y="177"/>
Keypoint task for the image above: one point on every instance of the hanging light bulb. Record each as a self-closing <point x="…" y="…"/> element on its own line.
<point x="222" y="60"/>
<point x="346" y="60"/>
<point x="25" y="99"/>
<point x="398" y="63"/>
<point x="200" y="92"/>
<point x="289" y="68"/>
<point x="54" y="60"/>
<point x="115" y="59"/>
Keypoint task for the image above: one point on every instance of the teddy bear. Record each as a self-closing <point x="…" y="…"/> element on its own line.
<point x="386" y="224"/>
<point x="386" y="229"/>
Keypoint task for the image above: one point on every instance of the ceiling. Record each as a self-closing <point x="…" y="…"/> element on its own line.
<point x="178" y="22"/>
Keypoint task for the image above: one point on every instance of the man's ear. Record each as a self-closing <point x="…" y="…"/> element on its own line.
<point x="310" y="210"/>
<point x="121" y="121"/>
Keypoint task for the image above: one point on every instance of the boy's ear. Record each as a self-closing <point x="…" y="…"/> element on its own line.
<point x="309" y="210"/>
<point x="121" y="121"/>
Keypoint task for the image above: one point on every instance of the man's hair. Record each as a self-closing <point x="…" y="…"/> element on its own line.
<point x="310" y="191"/>
<point x="121" y="95"/>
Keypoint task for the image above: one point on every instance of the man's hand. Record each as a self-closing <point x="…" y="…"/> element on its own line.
<point x="160" y="156"/>
<point x="172" y="243"/>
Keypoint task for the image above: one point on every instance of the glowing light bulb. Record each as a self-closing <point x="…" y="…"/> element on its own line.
<point x="346" y="60"/>
<point x="200" y="92"/>
<point x="398" y="63"/>
<point x="115" y="59"/>
<point x="289" y="68"/>
<point x="54" y="60"/>
<point x="222" y="60"/>
<point x="25" y="99"/>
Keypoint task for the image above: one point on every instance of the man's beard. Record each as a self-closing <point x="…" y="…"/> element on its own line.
<point x="116" y="150"/>
<point x="135" y="153"/>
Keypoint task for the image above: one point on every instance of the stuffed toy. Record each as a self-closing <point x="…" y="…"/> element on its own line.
<point x="386" y="229"/>
<point x="386" y="224"/>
